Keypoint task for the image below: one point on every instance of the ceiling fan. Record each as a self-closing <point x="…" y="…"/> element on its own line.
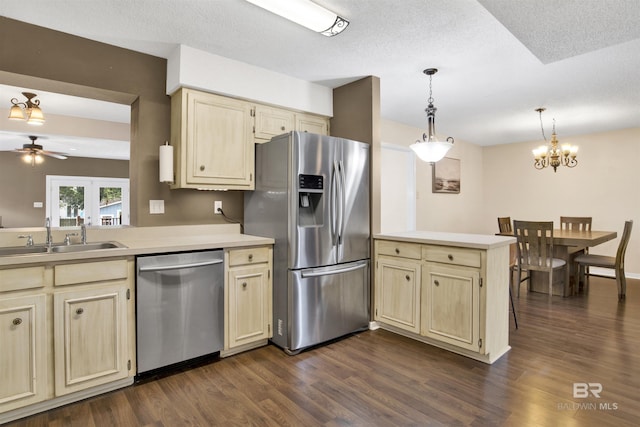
<point x="33" y="152"/>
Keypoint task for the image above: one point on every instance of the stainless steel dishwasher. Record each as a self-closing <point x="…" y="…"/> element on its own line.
<point x="179" y="307"/>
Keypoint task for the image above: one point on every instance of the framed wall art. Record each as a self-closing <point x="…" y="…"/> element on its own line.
<point x="446" y="176"/>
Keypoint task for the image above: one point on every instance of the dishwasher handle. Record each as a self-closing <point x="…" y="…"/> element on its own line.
<point x="179" y="266"/>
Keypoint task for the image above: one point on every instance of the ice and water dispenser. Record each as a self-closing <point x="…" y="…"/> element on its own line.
<point x="310" y="194"/>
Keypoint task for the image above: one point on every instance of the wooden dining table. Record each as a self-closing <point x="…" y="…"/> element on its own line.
<point x="567" y="244"/>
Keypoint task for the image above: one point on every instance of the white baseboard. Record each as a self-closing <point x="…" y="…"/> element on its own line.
<point x="607" y="272"/>
<point x="373" y="325"/>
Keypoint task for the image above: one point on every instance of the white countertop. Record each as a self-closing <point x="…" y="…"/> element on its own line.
<point x="145" y="240"/>
<point x="477" y="241"/>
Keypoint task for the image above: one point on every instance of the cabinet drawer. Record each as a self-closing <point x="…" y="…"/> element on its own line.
<point x="399" y="249"/>
<point x="71" y="274"/>
<point x="453" y="256"/>
<point x="248" y="256"/>
<point x="16" y="279"/>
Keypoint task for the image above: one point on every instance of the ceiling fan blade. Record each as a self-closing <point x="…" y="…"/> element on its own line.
<point x="53" y="154"/>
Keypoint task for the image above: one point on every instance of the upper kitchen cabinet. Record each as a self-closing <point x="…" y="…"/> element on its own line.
<point x="213" y="138"/>
<point x="271" y="121"/>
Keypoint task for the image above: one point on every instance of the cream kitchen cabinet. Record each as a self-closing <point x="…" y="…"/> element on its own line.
<point x="271" y="121"/>
<point x="67" y="332"/>
<point x="248" y="302"/>
<point x="90" y="337"/>
<point x="213" y="140"/>
<point x="398" y="278"/>
<point x="451" y="296"/>
<point x="460" y="283"/>
<point x="23" y="351"/>
<point x="312" y="124"/>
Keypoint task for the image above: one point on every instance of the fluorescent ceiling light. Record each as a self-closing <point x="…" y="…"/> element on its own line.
<point x="306" y="13"/>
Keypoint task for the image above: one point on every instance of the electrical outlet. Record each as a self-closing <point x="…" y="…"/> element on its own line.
<point x="217" y="207"/>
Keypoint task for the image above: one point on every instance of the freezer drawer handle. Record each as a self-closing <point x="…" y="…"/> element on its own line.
<point x="178" y="266"/>
<point x="326" y="273"/>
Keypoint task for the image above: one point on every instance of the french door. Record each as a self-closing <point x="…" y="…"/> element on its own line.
<point x="76" y="200"/>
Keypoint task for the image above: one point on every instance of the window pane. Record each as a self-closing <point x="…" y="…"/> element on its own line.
<point x="110" y="205"/>
<point x="71" y="205"/>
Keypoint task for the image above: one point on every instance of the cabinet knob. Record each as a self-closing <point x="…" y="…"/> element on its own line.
<point x="407" y="277"/>
<point x="80" y="311"/>
<point x="17" y="321"/>
<point x="250" y="257"/>
<point x="244" y="284"/>
<point x="201" y="167"/>
<point x="397" y="251"/>
<point x="450" y="257"/>
<point x="282" y="128"/>
<point x="435" y="282"/>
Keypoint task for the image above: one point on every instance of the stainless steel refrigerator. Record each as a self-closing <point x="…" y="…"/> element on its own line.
<point x="312" y="197"/>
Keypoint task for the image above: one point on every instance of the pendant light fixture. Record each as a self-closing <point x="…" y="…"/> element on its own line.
<point x="306" y="13"/>
<point x="430" y="149"/>
<point x="29" y="110"/>
<point x="545" y="155"/>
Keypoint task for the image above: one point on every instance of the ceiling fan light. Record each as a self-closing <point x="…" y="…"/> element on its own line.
<point x="35" y="116"/>
<point x="16" y="113"/>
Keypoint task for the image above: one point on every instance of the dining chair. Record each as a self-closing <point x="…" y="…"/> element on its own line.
<point x="616" y="263"/>
<point x="534" y="244"/>
<point x="504" y="224"/>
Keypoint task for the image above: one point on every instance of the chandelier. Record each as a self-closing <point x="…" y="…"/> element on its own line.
<point x="545" y="156"/>
<point x="29" y="110"/>
<point x="430" y="149"/>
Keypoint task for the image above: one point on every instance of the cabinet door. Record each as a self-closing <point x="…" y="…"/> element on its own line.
<point x="249" y="304"/>
<point x="398" y="282"/>
<point x="23" y="352"/>
<point x="90" y="330"/>
<point x="312" y="124"/>
<point x="450" y="305"/>
<point x="219" y="149"/>
<point x="272" y="122"/>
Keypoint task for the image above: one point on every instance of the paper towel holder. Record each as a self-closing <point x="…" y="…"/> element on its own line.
<point x="166" y="163"/>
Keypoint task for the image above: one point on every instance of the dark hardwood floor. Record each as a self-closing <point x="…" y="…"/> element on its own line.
<point x="376" y="378"/>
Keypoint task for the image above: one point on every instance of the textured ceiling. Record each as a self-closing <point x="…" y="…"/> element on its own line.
<point x="498" y="59"/>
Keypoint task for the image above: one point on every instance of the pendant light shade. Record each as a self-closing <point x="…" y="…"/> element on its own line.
<point x="430" y="149"/>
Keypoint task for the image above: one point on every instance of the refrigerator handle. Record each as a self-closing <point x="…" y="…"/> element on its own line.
<point x="312" y="273"/>
<point x="333" y="209"/>
<point x="342" y="201"/>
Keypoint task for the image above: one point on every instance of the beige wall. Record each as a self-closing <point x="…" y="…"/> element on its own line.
<point x="444" y="212"/>
<point x="605" y="185"/>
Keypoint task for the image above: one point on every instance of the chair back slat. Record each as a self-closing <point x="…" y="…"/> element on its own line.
<point x="578" y="223"/>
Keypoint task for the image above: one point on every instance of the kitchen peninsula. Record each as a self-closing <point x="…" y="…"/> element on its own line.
<point x="450" y="290"/>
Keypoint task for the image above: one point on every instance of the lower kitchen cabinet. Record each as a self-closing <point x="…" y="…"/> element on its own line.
<point x="23" y="354"/>
<point x="248" y="302"/>
<point x="90" y="337"/>
<point x="68" y="335"/>
<point x="451" y="297"/>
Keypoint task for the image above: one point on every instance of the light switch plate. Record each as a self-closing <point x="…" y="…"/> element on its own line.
<point x="37" y="204"/>
<point x="156" y="206"/>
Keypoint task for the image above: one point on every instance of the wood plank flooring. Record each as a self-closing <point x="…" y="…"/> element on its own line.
<point x="377" y="378"/>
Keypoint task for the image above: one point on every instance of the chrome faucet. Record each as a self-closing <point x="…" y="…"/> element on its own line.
<point x="29" y="238"/>
<point x="83" y="233"/>
<point x="49" y="241"/>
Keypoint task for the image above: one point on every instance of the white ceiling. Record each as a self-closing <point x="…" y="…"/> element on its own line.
<point x="499" y="60"/>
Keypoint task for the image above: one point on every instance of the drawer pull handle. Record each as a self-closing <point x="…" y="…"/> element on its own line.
<point x="397" y="251"/>
<point x="244" y="284"/>
<point x="435" y="282"/>
<point x="250" y="257"/>
<point x="407" y="277"/>
<point x="450" y="257"/>
<point x="17" y="321"/>
<point x="80" y="311"/>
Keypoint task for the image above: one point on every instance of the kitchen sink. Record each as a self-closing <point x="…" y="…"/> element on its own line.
<point x="41" y="249"/>
<point x="86" y="247"/>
